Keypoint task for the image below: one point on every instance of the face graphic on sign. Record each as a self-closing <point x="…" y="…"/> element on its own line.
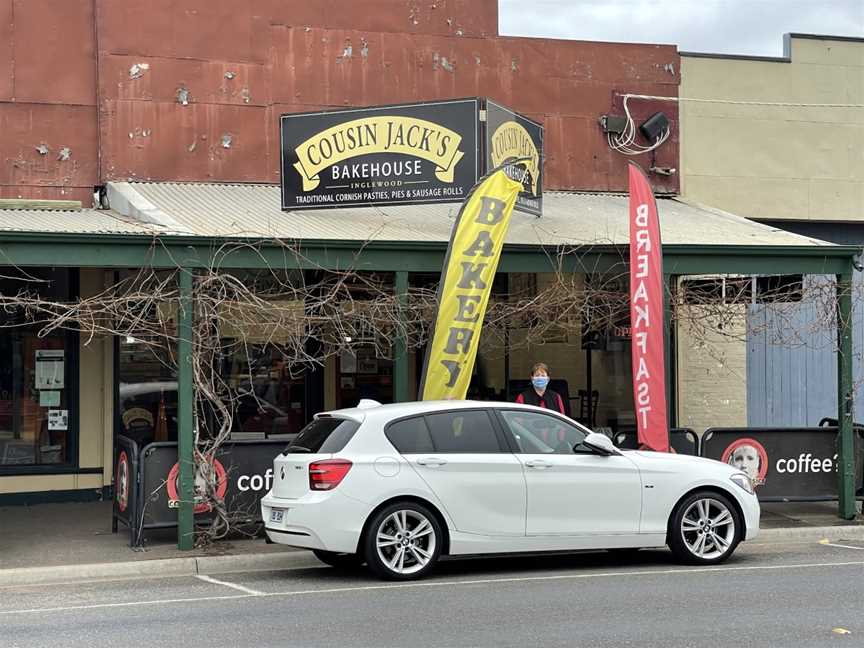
<point x="122" y="482"/>
<point x="748" y="456"/>
<point x="215" y="474"/>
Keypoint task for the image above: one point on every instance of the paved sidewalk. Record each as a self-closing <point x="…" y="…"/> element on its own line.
<point x="802" y="515"/>
<point x="66" y="542"/>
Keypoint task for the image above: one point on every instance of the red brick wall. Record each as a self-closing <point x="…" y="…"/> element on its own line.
<point x="245" y="63"/>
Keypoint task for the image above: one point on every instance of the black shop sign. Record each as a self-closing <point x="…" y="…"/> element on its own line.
<point x="509" y="136"/>
<point x="389" y="155"/>
<point x="407" y="154"/>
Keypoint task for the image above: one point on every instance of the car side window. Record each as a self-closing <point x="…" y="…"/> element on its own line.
<point x="468" y="431"/>
<point x="536" y="433"/>
<point x="410" y="436"/>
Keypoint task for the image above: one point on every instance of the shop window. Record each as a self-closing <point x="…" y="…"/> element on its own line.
<point x="742" y="290"/>
<point x="38" y="381"/>
<point x="267" y="398"/>
<point x="267" y="394"/>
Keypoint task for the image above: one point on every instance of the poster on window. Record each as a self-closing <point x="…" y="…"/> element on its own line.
<point x="50" y="368"/>
<point x="58" y="419"/>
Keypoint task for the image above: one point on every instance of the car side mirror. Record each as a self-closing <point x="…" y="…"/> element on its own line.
<point x="600" y="443"/>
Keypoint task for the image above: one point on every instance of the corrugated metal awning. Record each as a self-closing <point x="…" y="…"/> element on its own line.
<point x="236" y="210"/>
<point x="79" y="221"/>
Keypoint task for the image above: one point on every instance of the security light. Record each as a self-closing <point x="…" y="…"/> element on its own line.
<point x="654" y="126"/>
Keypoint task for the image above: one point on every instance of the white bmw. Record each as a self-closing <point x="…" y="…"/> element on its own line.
<point x="398" y="486"/>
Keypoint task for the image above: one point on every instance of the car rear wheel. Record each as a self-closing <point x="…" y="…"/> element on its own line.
<point x="340" y="560"/>
<point x="403" y="541"/>
<point x="705" y="529"/>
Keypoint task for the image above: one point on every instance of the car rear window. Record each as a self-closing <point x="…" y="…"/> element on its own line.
<point x="463" y="431"/>
<point x="324" y="435"/>
<point x="410" y="436"/>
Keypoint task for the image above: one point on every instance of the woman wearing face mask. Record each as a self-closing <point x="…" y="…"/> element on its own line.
<point x="539" y="395"/>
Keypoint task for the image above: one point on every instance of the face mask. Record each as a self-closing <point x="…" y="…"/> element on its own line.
<point x="540" y="382"/>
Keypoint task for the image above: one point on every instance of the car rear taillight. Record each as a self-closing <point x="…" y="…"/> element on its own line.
<point x="327" y="475"/>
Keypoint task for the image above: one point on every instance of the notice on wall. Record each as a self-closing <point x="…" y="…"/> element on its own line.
<point x="348" y="362"/>
<point x="49" y="398"/>
<point x="50" y="368"/>
<point x="58" y="419"/>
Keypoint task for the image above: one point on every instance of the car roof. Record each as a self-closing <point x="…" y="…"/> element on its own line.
<point x="398" y="410"/>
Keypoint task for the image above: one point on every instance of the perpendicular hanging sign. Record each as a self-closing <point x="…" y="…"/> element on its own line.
<point x="401" y="154"/>
<point x="510" y="136"/>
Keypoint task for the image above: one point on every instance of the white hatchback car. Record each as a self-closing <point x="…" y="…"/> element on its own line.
<point x="398" y="486"/>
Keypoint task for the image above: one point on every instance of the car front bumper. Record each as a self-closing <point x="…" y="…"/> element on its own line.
<point x="752" y="512"/>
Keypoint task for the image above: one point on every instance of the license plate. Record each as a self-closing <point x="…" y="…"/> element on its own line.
<point x="276" y="515"/>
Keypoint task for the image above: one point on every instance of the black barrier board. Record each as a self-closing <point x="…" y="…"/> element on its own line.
<point x="508" y="136"/>
<point x="388" y="155"/>
<point x="785" y="463"/>
<point x="683" y="441"/>
<point x="243" y="472"/>
<point x="125" y="504"/>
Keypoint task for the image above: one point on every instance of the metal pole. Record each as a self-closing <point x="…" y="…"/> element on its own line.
<point x="507" y="395"/>
<point x="400" y="354"/>
<point x="185" y="405"/>
<point x="845" y="393"/>
<point x="589" y="378"/>
<point x="670" y="352"/>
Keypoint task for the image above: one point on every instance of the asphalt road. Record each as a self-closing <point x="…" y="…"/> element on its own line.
<point x="797" y="594"/>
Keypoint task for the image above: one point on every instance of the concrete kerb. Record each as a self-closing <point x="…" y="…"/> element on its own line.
<point x="211" y="565"/>
<point x="191" y="566"/>
<point x="814" y="533"/>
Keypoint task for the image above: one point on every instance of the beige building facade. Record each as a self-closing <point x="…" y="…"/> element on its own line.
<point x="797" y="167"/>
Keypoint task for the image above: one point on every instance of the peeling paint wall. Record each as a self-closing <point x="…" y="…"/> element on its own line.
<point x="48" y="117"/>
<point x="194" y="91"/>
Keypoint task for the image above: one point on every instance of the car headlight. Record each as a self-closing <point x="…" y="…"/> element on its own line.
<point x="744" y="482"/>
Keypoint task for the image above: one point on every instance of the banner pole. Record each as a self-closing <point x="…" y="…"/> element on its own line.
<point x="400" y="352"/>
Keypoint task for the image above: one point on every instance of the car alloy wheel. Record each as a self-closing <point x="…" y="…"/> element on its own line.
<point x="708" y="528"/>
<point x="705" y="529"/>
<point x="403" y="541"/>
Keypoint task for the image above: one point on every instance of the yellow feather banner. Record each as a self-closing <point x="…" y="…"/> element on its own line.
<point x="466" y="281"/>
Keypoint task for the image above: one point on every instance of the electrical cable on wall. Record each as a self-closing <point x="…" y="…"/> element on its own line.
<point x="625" y="141"/>
<point x="783" y="104"/>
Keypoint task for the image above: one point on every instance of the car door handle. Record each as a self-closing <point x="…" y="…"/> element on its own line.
<point x="538" y="463"/>
<point x="431" y="461"/>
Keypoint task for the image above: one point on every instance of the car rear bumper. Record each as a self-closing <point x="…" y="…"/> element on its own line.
<point x="319" y="520"/>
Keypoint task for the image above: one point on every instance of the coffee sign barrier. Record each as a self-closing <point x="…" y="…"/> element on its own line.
<point x="406" y="154"/>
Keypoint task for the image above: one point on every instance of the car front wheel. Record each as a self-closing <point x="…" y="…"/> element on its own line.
<point x="705" y="529"/>
<point x="403" y="541"/>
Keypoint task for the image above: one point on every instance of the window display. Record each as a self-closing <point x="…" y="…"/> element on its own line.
<point x="36" y="428"/>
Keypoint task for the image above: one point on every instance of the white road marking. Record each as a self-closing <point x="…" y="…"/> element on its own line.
<point x="447" y="583"/>
<point x="210" y="579"/>
<point x="825" y="543"/>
